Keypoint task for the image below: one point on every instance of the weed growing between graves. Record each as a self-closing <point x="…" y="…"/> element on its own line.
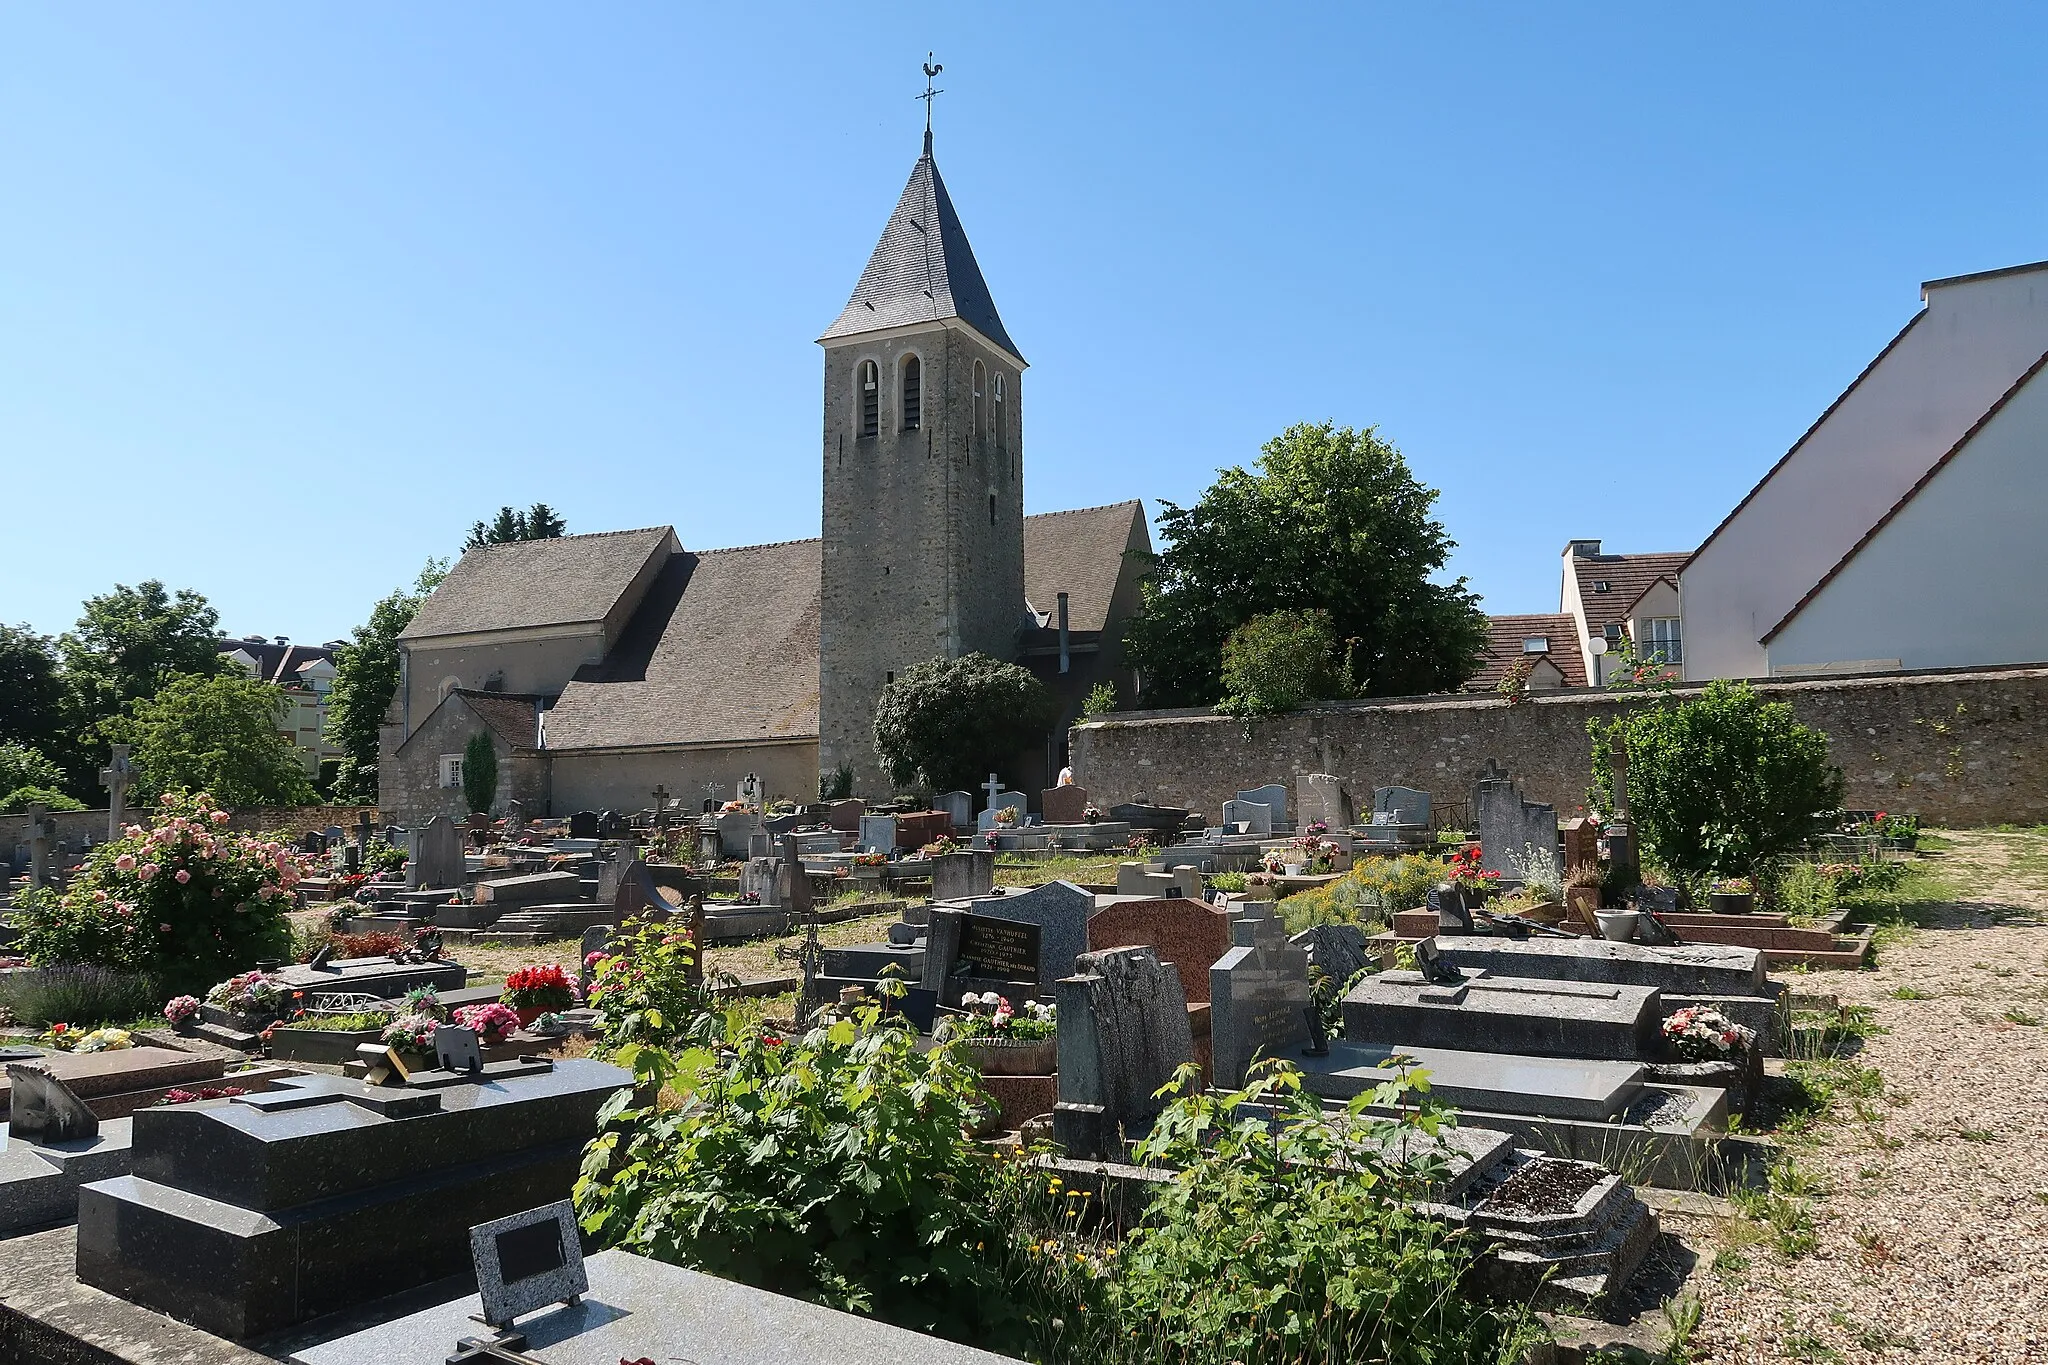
<point x="1368" y="895"/>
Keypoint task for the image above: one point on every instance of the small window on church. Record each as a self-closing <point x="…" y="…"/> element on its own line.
<point x="870" y="398"/>
<point x="980" y="400"/>
<point x="991" y="509"/>
<point x="913" y="393"/>
<point x="997" y="413"/>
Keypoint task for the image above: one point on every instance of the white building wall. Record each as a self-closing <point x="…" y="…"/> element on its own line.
<point x="1956" y="578"/>
<point x="1973" y="339"/>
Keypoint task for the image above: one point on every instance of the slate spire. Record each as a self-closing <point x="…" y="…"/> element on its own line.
<point x="923" y="268"/>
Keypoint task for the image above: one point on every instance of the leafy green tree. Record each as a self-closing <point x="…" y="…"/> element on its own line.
<point x="1281" y="661"/>
<point x="221" y="735"/>
<point x="128" y="644"/>
<point x="1100" y="701"/>
<point x="945" y="722"/>
<point x="1726" y="784"/>
<point x="21" y="798"/>
<point x="479" y="773"/>
<point x="31" y="690"/>
<point x="538" y="522"/>
<point x="23" y="765"/>
<point x="1330" y="519"/>
<point x="365" y="681"/>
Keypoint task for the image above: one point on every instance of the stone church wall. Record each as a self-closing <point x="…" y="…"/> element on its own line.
<point x="1958" y="748"/>
<point x="626" y="781"/>
<point x="409" y="786"/>
<point x="539" y="666"/>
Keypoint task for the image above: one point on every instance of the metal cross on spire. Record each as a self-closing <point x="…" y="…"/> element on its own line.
<point x="931" y="69"/>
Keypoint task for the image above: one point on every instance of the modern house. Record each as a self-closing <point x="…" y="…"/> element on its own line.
<point x="306" y="673"/>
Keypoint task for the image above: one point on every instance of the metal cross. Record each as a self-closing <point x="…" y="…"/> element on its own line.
<point x="931" y="69"/>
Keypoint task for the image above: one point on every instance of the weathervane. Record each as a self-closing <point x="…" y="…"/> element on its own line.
<point x="931" y="69"/>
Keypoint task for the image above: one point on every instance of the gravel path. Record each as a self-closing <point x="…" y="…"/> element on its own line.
<point x="1931" y="1227"/>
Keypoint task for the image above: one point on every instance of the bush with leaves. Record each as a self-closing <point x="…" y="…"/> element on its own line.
<point x="21" y="798"/>
<point x="220" y="735"/>
<point x="946" y="723"/>
<point x="831" y="1167"/>
<point x="1281" y="661"/>
<point x="479" y="773"/>
<point x="185" y="900"/>
<point x="1100" y="701"/>
<point x="647" y="985"/>
<point x="1724" y="785"/>
<point x="1369" y="893"/>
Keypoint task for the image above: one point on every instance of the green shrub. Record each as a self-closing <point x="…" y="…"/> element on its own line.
<point x="341" y="1023"/>
<point x="648" y="988"/>
<point x="20" y="799"/>
<point x="479" y="773"/>
<point x="185" y="901"/>
<point x="73" y="993"/>
<point x="24" y="765"/>
<point x="1100" y="701"/>
<point x="1281" y="661"/>
<point x="945" y="723"/>
<point x="1369" y="894"/>
<point x="1724" y="785"/>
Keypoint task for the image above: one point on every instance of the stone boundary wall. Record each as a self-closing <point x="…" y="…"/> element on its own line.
<point x="1958" y="748"/>
<point x="74" y="827"/>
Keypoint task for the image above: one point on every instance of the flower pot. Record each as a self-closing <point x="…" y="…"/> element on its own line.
<point x="528" y="1013"/>
<point x="1732" y="902"/>
<point x="1617" y="926"/>
<point x="1291" y="869"/>
<point x="1014" y="1057"/>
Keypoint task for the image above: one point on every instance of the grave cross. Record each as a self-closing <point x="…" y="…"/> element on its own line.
<point x="994" y="788"/>
<point x="38" y="847"/>
<point x="363" y="826"/>
<point x="115" y="777"/>
<point x="1618" y="762"/>
<point x="1493" y="772"/>
<point x="660" y="795"/>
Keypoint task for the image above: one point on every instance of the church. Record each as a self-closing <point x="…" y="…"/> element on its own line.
<point x="604" y="666"/>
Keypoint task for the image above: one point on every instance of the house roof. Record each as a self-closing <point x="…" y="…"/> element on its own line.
<point x="514" y="717"/>
<point x="1910" y="493"/>
<point x="566" y="580"/>
<point x="1627" y="577"/>
<point x="922" y="269"/>
<point x="277" y="663"/>
<point x="1080" y="553"/>
<point x="723" y="648"/>
<point x="1504" y="637"/>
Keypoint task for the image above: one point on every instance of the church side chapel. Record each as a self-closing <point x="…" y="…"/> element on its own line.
<point x="601" y="666"/>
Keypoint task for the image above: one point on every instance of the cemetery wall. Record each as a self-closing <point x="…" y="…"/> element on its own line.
<point x="74" y="827"/>
<point x="297" y="820"/>
<point x="1965" y="747"/>
<point x="626" y="781"/>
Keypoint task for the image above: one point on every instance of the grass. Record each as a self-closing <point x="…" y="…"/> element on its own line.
<point x="1097" y="870"/>
<point x="1912" y="993"/>
<point x="2024" y="1018"/>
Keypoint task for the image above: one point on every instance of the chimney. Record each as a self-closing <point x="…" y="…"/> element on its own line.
<point x="1585" y="549"/>
<point x="1064" y="662"/>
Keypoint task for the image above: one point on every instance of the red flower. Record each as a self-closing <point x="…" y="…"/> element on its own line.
<point x="770" y="1040"/>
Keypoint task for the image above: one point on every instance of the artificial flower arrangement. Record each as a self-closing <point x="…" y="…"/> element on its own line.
<point x="1091" y="813"/>
<point x="941" y="846"/>
<point x="1700" y="1034"/>
<point x="544" y="987"/>
<point x="423" y="1000"/>
<point x="181" y="1010"/>
<point x="870" y="860"/>
<point x="1317" y="828"/>
<point x="1885" y="825"/>
<point x="493" y="1023"/>
<point x="412" y="1033"/>
<point x="992" y="1017"/>
<point x="1734" y="886"/>
<point x="175" y="1095"/>
<point x="65" y="1038"/>
<point x="249" y="993"/>
<point x="1006" y="815"/>
<point x="1466" y="873"/>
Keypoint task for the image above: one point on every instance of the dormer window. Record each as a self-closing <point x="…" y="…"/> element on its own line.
<point x="870" y="398"/>
<point x="980" y="399"/>
<point x="1535" y="644"/>
<point x="913" y="393"/>
<point x="1602" y="585"/>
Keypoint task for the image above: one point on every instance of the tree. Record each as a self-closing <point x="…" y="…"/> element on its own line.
<point x="1281" y="661"/>
<point x="365" y="681"/>
<point x="20" y="799"/>
<point x="479" y="773"/>
<point x="945" y="722"/>
<point x="129" y="643"/>
<point x="1330" y="519"/>
<point x="538" y="522"/>
<point x="23" y="765"/>
<point x="1726" y="784"/>
<point x="219" y="734"/>
<point x="31" y="690"/>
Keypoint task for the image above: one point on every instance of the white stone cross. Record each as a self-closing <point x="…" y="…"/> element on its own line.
<point x="994" y="788"/>
<point x="115" y="777"/>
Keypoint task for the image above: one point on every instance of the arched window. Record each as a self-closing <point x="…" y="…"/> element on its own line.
<point x="913" y="393"/>
<point x="980" y="400"/>
<point x="870" y="398"/>
<point x="1002" y="432"/>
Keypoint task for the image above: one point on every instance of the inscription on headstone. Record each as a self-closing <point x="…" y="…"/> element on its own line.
<point x="999" y="949"/>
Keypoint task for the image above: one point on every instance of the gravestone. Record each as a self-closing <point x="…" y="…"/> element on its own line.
<point x="758" y="879"/>
<point x="968" y="952"/>
<point x="1507" y="824"/>
<point x="609" y="873"/>
<point x="364" y="826"/>
<point x="959" y="807"/>
<point x="1258" y="997"/>
<point x="845" y="816"/>
<point x="116" y="777"/>
<point x="878" y="834"/>
<point x="515" y="819"/>
<point x="986" y="821"/>
<point x="1255" y="816"/>
<point x="1058" y="912"/>
<point x="436" y="858"/>
<point x="735" y="829"/>
<point x="43" y="1109"/>
<point x="1063" y="805"/>
<point x="1322" y="796"/>
<point x="1123" y="1032"/>
<point x="1135" y="879"/>
<point x="312" y="842"/>
<point x="1405" y="805"/>
<point x="750" y="791"/>
<point x="612" y="824"/>
<point x="961" y="876"/>
<point x="1336" y="950"/>
<point x="39" y="830"/>
<point x="915" y="829"/>
<point x="794" y="890"/>
<point x="1506" y="1014"/>
<point x="1273" y="796"/>
<point x="583" y="825"/>
<point x="1191" y="934"/>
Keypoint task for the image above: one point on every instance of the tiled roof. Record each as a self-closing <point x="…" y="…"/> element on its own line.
<point x="567" y="580"/>
<point x="1504" y="636"/>
<point x="723" y="648"/>
<point x="512" y="716"/>
<point x="923" y="269"/>
<point x="1081" y="554"/>
<point x="1626" y="577"/>
<point x="276" y="663"/>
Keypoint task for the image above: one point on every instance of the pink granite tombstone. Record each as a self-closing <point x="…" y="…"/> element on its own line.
<point x="1190" y="934"/>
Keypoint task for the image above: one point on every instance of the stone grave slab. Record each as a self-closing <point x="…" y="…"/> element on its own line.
<point x="1123" y="1032"/>
<point x="1191" y="934"/>
<point x="534" y="888"/>
<point x="1406" y="805"/>
<point x="1164" y="821"/>
<point x="1273" y="796"/>
<point x="844" y="816"/>
<point x="735" y="827"/>
<point x="958" y="806"/>
<point x="1687" y="969"/>
<point x="435" y="858"/>
<point x="1322" y="796"/>
<point x="1063" y="805"/>
<point x="1255" y="816"/>
<point x="1135" y="879"/>
<point x="1337" y="950"/>
<point x="378" y="976"/>
<point x="962" y="876"/>
<point x="1258" y="995"/>
<point x="915" y="829"/>
<point x="1493" y="1082"/>
<point x="878" y="834"/>
<point x="1506" y="1014"/>
<point x="94" y="1075"/>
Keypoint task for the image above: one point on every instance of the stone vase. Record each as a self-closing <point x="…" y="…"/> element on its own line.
<point x="1731" y="902"/>
<point x="1014" y="1056"/>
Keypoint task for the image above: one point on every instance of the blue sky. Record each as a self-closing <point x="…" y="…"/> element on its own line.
<point x="290" y="295"/>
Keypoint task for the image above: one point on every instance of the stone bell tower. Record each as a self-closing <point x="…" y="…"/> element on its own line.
<point x="924" y="473"/>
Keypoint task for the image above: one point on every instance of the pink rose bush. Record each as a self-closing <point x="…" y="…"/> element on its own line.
<point x="185" y="900"/>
